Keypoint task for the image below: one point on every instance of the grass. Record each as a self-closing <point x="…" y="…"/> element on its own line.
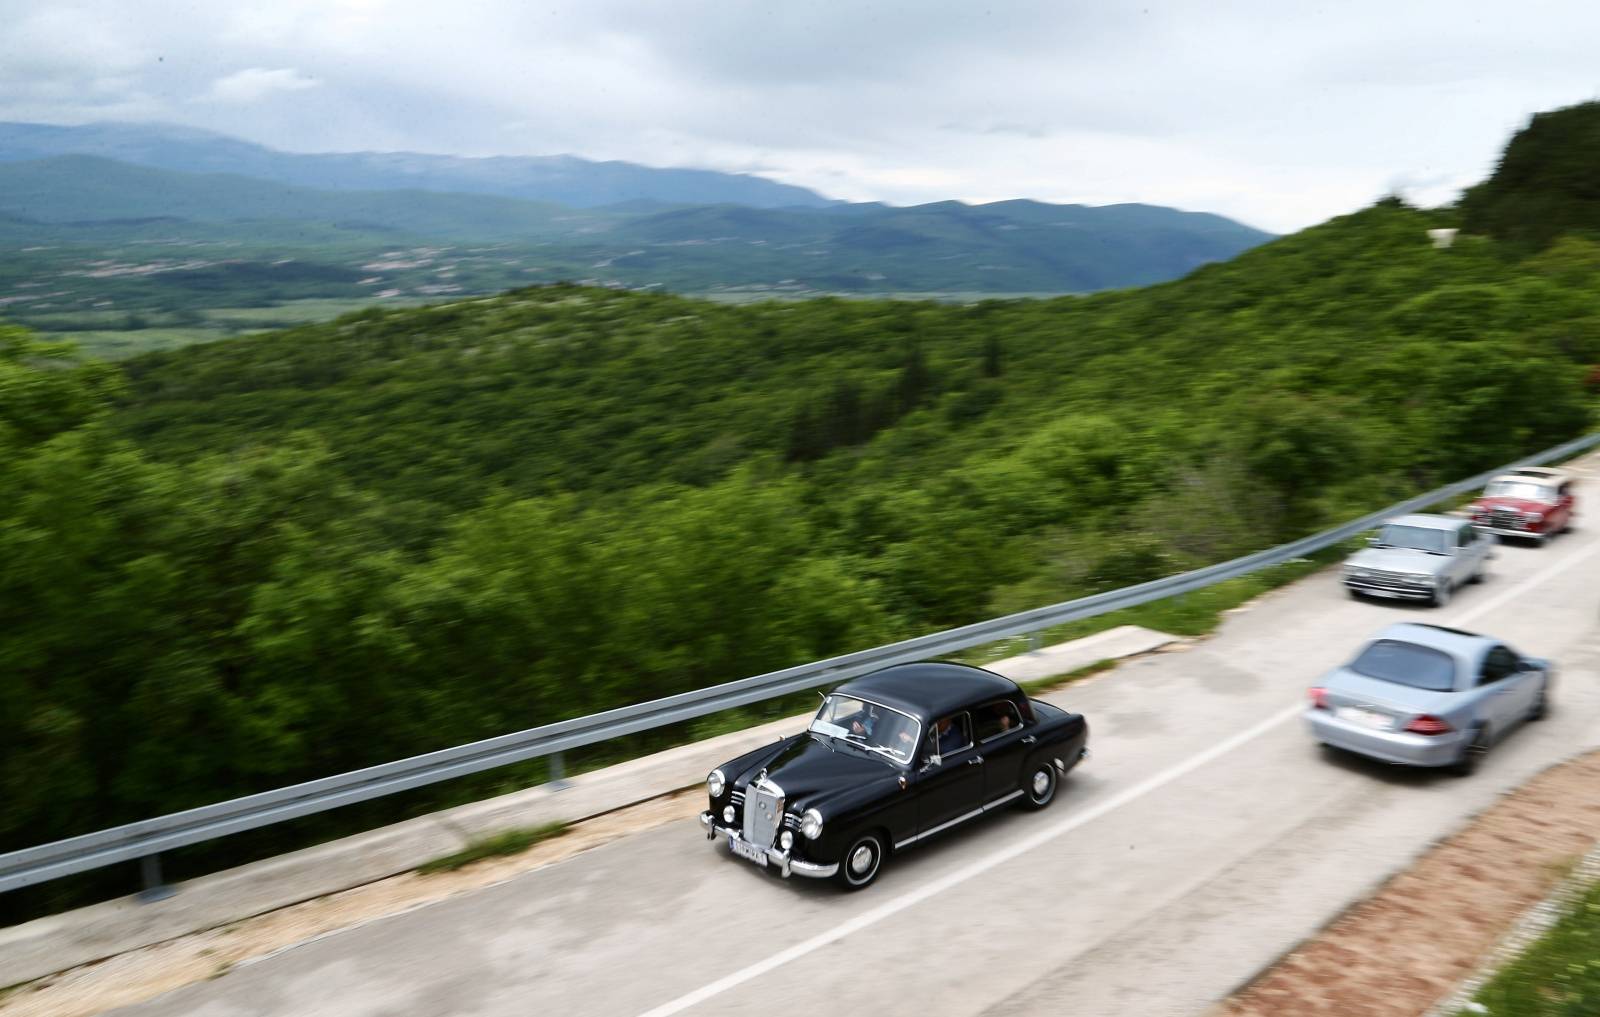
<point x="1049" y="682"/>
<point x="509" y="842"/>
<point x="1558" y="976"/>
<point x="1188" y="614"/>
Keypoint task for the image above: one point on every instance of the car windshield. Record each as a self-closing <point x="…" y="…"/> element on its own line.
<point x="1418" y="538"/>
<point x="877" y="728"/>
<point x="1519" y="489"/>
<point x="1420" y="667"/>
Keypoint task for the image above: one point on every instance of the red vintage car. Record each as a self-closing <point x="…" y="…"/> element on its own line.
<point x="1532" y="503"/>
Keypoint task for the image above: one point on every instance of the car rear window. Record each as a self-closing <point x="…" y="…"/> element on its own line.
<point x="1420" y="667"/>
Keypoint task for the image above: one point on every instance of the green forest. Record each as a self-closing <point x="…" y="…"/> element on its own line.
<point x="243" y="564"/>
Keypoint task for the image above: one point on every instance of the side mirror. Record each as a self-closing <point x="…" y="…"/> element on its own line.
<point x="1372" y="541"/>
<point x="934" y="761"/>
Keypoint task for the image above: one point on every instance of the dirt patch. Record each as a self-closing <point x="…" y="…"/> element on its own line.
<point x="144" y="974"/>
<point x="1405" y="948"/>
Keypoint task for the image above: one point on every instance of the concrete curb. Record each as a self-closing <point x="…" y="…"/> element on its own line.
<point x="60" y="942"/>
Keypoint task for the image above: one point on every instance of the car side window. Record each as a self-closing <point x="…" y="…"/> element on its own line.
<point x="995" y="719"/>
<point x="1497" y="664"/>
<point x="949" y="734"/>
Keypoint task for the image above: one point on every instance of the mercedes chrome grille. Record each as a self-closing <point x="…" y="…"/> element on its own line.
<point x="763" y="812"/>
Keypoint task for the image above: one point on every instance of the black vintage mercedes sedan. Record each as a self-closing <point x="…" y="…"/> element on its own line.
<point x="891" y="758"/>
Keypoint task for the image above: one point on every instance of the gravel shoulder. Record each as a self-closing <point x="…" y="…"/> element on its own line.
<point x="1406" y="947"/>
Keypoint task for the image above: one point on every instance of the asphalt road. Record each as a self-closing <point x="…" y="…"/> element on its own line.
<point x="1207" y="835"/>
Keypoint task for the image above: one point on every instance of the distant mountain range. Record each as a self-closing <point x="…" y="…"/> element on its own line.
<point x="182" y="223"/>
<point x="563" y="179"/>
<point x="1008" y="246"/>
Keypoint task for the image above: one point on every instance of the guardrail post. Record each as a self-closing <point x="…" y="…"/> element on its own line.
<point x="154" y="888"/>
<point x="558" y="773"/>
<point x="1033" y="641"/>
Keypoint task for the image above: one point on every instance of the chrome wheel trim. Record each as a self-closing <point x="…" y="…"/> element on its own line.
<point x="862" y="861"/>
<point x="1045" y="776"/>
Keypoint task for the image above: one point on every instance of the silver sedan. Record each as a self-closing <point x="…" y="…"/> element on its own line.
<point x="1426" y="695"/>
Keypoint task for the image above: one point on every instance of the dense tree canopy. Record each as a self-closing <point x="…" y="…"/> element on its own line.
<point x="239" y="565"/>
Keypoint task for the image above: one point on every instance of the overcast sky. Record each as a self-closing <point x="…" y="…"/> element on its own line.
<point x="1277" y="114"/>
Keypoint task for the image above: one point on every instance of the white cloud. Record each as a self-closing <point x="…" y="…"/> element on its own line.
<point x="256" y="83"/>
<point x="1279" y="115"/>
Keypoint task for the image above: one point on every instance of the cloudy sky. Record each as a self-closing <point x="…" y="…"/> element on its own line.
<point x="1278" y="114"/>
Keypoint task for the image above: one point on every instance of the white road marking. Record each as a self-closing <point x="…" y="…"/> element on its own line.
<point x="893" y="907"/>
<point x="1534" y="580"/>
<point x="961" y="875"/>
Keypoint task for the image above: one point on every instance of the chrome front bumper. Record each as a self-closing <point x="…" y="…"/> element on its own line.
<point x="1398" y="593"/>
<point x="1506" y="531"/>
<point x="786" y="864"/>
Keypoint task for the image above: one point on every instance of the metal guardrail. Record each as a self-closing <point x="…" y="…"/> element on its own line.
<point x="147" y="839"/>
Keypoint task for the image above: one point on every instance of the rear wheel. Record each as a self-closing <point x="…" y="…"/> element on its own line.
<point x="1040" y="788"/>
<point x="862" y="861"/>
<point x="1474" y="752"/>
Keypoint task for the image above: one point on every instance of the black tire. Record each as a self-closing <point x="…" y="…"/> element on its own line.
<point x="1477" y="577"/>
<point x="1354" y="594"/>
<point x="1039" y="789"/>
<point x="1541" y="703"/>
<point x="1441" y="596"/>
<point x="861" y="862"/>
<point x="1473" y="753"/>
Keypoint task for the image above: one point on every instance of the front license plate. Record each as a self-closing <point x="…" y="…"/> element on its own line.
<point x="747" y="850"/>
<point x="1365" y="718"/>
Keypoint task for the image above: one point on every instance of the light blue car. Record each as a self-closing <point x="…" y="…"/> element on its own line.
<point x="1426" y="695"/>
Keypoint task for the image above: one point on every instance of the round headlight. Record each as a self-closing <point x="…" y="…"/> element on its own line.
<point x="727" y="813"/>
<point x="715" y="783"/>
<point x="786" y="840"/>
<point x="811" y="824"/>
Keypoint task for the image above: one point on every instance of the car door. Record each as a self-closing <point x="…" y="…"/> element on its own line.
<point x="953" y="787"/>
<point x="998" y="728"/>
<point x="1499" y="681"/>
<point x="1468" y="554"/>
<point x="1564" y="506"/>
<point x="1524" y="683"/>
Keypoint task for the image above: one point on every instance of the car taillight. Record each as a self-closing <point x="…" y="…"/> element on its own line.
<point x="1429" y="725"/>
<point x="1319" y="699"/>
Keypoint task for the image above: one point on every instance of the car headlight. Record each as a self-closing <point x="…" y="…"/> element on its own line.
<point x="716" y="783"/>
<point x="786" y="840"/>
<point x="811" y="824"/>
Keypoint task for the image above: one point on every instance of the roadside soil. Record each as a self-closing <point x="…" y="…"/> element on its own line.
<point x="1405" y="948"/>
<point x="144" y="974"/>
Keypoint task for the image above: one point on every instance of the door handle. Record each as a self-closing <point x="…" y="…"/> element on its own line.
<point x="1029" y="739"/>
<point x="975" y="761"/>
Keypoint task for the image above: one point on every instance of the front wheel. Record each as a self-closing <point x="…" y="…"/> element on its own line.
<point x="862" y="861"/>
<point x="1040" y="789"/>
<point x="1441" y="596"/>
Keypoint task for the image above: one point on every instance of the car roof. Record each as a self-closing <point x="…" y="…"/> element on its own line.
<point x="1430" y="521"/>
<point x="1466" y="647"/>
<point x="930" y="688"/>
<point x="1532" y="475"/>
